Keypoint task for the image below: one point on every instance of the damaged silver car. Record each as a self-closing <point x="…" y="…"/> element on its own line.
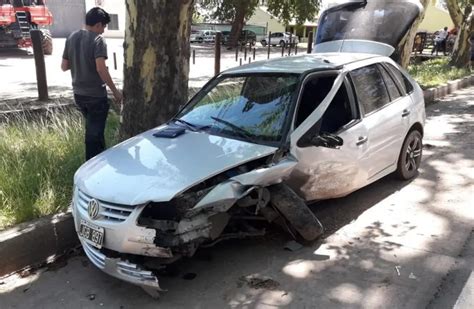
<point x="256" y="144"/>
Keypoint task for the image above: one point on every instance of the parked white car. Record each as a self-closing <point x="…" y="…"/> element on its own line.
<point x="256" y="143"/>
<point x="200" y="36"/>
<point x="280" y="38"/>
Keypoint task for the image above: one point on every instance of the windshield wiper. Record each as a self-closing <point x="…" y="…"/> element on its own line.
<point x="189" y="126"/>
<point x="241" y="132"/>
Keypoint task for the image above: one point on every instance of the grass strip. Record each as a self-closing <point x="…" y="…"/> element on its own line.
<point x="38" y="160"/>
<point x="435" y="72"/>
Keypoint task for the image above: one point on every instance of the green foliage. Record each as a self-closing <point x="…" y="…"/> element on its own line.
<point x="284" y="10"/>
<point x="226" y="10"/>
<point x="435" y="72"/>
<point x="39" y="159"/>
<point x="301" y="10"/>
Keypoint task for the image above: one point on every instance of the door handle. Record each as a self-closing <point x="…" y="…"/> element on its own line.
<point x="405" y="113"/>
<point x="362" y="140"/>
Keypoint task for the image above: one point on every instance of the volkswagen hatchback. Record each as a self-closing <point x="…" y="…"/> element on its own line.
<point x="256" y="144"/>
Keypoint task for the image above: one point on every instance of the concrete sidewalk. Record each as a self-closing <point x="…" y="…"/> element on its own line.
<point x="392" y="244"/>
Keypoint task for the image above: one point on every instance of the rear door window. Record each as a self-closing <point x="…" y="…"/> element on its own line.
<point x="401" y="79"/>
<point x="370" y="88"/>
<point x="391" y="86"/>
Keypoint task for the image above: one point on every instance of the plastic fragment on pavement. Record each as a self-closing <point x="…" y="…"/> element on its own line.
<point x="293" y="246"/>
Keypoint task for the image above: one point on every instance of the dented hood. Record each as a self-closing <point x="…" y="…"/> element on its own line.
<point x="146" y="168"/>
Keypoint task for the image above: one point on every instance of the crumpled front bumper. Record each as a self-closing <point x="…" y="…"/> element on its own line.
<point x="123" y="237"/>
<point x="121" y="269"/>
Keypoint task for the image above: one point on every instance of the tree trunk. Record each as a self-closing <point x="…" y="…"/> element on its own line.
<point x="461" y="57"/>
<point x="454" y="12"/>
<point x="156" y="65"/>
<point x="238" y="23"/>
<point x="403" y="53"/>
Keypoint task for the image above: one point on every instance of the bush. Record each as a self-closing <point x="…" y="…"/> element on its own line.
<point x="38" y="161"/>
<point x="435" y="72"/>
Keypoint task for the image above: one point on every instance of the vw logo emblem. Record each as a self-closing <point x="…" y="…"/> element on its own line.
<point x="93" y="209"/>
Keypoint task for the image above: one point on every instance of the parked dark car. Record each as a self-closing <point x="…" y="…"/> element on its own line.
<point x="246" y="37"/>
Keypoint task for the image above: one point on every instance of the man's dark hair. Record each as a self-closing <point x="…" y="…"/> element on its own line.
<point x="97" y="15"/>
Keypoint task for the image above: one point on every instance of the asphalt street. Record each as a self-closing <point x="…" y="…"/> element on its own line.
<point x="392" y="244"/>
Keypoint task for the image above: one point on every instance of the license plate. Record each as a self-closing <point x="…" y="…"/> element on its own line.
<point x="91" y="234"/>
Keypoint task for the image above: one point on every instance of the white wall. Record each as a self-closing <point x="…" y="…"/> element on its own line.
<point x="112" y="7"/>
<point x="262" y="18"/>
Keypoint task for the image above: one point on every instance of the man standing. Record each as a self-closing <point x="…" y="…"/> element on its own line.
<point x="440" y="41"/>
<point x="85" y="54"/>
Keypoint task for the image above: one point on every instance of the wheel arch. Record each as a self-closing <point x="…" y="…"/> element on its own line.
<point x="416" y="126"/>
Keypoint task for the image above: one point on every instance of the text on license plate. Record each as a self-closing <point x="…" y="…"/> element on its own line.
<point x="91" y="233"/>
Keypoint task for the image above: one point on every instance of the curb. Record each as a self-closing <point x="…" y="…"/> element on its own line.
<point x="41" y="241"/>
<point x="36" y="242"/>
<point x="431" y="95"/>
<point x="31" y="107"/>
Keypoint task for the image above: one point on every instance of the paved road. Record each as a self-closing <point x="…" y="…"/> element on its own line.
<point x="393" y="244"/>
<point x="19" y="75"/>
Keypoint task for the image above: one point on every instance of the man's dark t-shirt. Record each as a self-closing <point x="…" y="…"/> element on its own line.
<point x="81" y="50"/>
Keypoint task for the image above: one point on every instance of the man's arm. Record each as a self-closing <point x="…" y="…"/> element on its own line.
<point x="65" y="65"/>
<point x="105" y="76"/>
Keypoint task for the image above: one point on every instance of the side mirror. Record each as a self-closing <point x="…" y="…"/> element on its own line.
<point x="327" y="140"/>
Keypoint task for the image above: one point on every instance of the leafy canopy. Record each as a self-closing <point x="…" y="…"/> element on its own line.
<point x="284" y="10"/>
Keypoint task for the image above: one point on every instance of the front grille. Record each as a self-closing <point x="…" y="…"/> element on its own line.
<point x="107" y="211"/>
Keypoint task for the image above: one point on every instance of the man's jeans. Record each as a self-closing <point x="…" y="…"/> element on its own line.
<point x="95" y="111"/>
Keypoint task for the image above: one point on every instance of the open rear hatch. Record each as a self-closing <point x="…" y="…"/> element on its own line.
<point x="369" y="26"/>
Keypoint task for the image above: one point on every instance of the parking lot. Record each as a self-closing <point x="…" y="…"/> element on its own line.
<point x="19" y="75"/>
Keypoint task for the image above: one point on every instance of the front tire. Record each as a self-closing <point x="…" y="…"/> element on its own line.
<point x="410" y="156"/>
<point x="282" y="43"/>
<point x="296" y="212"/>
<point x="264" y="43"/>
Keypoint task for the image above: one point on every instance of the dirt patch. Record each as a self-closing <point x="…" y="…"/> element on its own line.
<point x="256" y="282"/>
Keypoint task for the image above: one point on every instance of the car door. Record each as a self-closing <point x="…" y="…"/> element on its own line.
<point x="411" y="112"/>
<point x="382" y="109"/>
<point x="323" y="172"/>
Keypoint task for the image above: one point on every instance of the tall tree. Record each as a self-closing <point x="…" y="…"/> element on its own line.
<point x="462" y="15"/>
<point x="406" y="46"/>
<point x="156" y="65"/>
<point x="238" y="11"/>
<point x="235" y="12"/>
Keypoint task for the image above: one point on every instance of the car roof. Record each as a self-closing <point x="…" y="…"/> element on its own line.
<point x="301" y="64"/>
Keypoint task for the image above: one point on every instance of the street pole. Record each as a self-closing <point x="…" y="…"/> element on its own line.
<point x="269" y="44"/>
<point x="40" y="65"/>
<point x="217" y="56"/>
<point x="310" y="42"/>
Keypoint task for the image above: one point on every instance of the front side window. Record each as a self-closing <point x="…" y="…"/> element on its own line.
<point x="253" y="107"/>
<point x="370" y="88"/>
<point x="339" y="112"/>
<point x="314" y="92"/>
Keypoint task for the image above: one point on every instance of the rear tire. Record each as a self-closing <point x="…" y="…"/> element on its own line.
<point x="410" y="156"/>
<point x="264" y="43"/>
<point x="282" y="43"/>
<point x="47" y="42"/>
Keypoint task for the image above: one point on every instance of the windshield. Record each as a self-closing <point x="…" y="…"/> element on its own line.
<point x="253" y="108"/>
